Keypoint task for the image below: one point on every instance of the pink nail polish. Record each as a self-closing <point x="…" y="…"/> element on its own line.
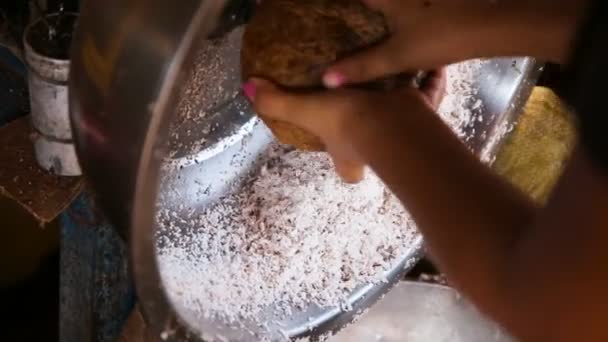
<point x="249" y="91"/>
<point x="334" y="79"/>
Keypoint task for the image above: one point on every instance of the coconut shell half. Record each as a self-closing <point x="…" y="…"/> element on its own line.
<point x="292" y="42"/>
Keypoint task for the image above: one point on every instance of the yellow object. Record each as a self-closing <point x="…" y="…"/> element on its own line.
<point x="534" y="155"/>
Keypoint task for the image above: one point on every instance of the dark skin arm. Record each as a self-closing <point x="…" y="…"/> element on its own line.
<point x="431" y="33"/>
<point x="527" y="267"/>
<point x="520" y="264"/>
<point x="542" y="272"/>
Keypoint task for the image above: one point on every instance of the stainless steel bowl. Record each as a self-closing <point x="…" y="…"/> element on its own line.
<point x="129" y="61"/>
<point x="417" y="312"/>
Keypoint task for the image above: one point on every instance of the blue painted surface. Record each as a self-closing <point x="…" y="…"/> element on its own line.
<point x="12" y="61"/>
<point x="14" y="100"/>
<point x="96" y="290"/>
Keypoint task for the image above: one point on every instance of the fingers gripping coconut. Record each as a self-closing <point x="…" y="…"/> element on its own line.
<point x="292" y="42"/>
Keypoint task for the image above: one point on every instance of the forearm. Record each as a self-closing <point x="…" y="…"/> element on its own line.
<point x="541" y="28"/>
<point x="517" y="262"/>
<point x="469" y="217"/>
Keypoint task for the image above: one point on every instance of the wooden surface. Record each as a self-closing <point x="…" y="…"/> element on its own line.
<point x="23" y="246"/>
<point x="42" y="194"/>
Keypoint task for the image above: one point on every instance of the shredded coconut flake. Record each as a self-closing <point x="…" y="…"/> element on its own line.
<point x="214" y="82"/>
<point x="296" y="235"/>
<point x="461" y="103"/>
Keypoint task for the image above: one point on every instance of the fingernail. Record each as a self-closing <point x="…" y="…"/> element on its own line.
<point x="249" y="90"/>
<point x="333" y="79"/>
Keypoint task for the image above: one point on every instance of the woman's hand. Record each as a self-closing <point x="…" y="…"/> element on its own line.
<point x="426" y="34"/>
<point x="338" y="116"/>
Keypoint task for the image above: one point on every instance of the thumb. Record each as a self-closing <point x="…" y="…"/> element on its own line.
<point x="307" y="111"/>
<point x="267" y="99"/>
<point x="368" y="65"/>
